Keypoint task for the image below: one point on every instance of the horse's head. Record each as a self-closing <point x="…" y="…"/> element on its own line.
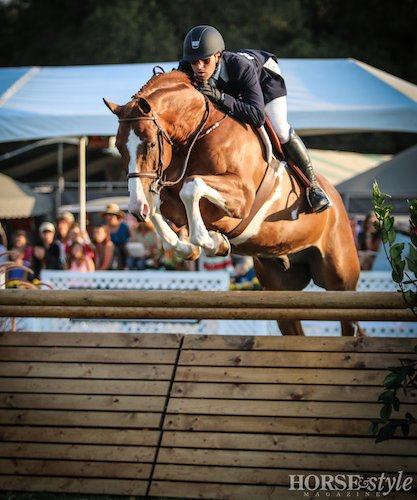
<point x="145" y="149"/>
<point x="148" y="125"/>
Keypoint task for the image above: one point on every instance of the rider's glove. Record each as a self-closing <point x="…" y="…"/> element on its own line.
<point x="214" y="94"/>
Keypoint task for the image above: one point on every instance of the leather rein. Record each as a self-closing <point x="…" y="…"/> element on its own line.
<point x="162" y="137"/>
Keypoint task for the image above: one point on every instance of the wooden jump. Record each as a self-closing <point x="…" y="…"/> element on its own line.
<point x="132" y="304"/>
<point x="219" y="417"/>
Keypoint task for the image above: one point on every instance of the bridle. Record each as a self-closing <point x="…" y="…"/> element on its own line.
<point x="159" y="181"/>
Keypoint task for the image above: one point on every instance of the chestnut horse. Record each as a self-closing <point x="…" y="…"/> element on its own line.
<point x="191" y="165"/>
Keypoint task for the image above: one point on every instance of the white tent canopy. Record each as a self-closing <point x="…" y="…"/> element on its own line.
<point x="325" y="95"/>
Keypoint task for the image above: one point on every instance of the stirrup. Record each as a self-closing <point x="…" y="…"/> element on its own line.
<point x="321" y="201"/>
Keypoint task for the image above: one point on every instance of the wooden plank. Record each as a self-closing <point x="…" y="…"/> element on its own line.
<point x="289" y="343"/>
<point x="83" y="402"/>
<point x="111" y="371"/>
<point x="86" y="386"/>
<point x="47" y="418"/>
<point x="60" y="451"/>
<point x="91" y="339"/>
<point x="277" y="425"/>
<point x="288" y="460"/>
<point x="278" y="408"/>
<point x="283" y="392"/>
<point x="79" y="435"/>
<point x="281" y="375"/>
<point x="212" y="490"/>
<point x="290" y="359"/>
<point x="241" y="475"/>
<point x="74" y="485"/>
<point x="88" y="355"/>
<point x="70" y="468"/>
<point x="301" y="443"/>
<point x="238" y="475"/>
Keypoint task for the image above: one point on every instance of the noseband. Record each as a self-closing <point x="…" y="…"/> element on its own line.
<point x="162" y="135"/>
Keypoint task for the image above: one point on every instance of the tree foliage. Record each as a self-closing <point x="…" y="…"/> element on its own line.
<point x="66" y="32"/>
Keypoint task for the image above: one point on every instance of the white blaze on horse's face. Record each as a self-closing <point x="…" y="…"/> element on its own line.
<point x="140" y="205"/>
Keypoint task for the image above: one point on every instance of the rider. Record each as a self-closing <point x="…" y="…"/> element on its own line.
<point x="247" y="84"/>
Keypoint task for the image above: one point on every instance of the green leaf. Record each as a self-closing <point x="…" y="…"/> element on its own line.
<point x="405" y="428"/>
<point x="396" y="250"/>
<point x="396" y="404"/>
<point x="388" y="223"/>
<point x="386" y="396"/>
<point x="412" y="265"/>
<point x="391" y="235"/>
<point x="373" y="428"/>
<point x="391" y="380"/>
<point x="385" y="412"/>
<point x="413" y="237"/>
<point x="386" y="432"/>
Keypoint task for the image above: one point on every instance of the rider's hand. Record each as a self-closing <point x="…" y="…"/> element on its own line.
<point x="211" y="92"/>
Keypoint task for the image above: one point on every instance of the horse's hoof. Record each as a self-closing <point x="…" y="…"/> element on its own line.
<point x="195" y="253"/>
<point x="223" y="247"/>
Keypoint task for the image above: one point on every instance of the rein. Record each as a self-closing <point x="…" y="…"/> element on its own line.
<point x="162" y="134"/>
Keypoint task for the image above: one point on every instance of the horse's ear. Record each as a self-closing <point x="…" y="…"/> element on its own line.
<point x="114" y="108"/>
<point x="144" y="106"/>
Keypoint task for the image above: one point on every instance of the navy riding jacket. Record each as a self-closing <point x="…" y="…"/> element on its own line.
<point x="247" y="83"/>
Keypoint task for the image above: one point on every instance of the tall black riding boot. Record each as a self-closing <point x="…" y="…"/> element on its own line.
<point x="296" y="152"/>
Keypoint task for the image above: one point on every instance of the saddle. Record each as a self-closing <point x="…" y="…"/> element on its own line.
<point x="274" y="156"/>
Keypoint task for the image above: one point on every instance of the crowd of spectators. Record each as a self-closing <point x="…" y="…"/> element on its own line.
<point x="119" y="242"/>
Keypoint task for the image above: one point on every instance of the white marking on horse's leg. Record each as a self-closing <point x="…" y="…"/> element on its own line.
<point x="191" y="194"/>
<point x="170" y="239"/>
<point x="137" y="197"/>
<point x="255" y="224"/>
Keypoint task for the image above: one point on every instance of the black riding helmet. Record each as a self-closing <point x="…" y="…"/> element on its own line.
<point x="202" y="42"/>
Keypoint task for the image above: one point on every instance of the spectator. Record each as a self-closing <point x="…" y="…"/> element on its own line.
<point x="18" y="273"/>
<point x="143" y="246"/>
<point x="3" y="246"/>
<point x="20" y="240"/>
<point x="46" y="251"/>
<point x="119" y="232"/>
<point x="78" y="259"/>
<point x="76" y="235"/>
<point x="64" y="224"/>
<point x="369" y="241"/>
<point x="103" y="248"/>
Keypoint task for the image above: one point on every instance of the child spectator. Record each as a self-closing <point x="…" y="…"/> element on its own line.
<point x="75" y="235"/>
<point x="64" y="224"/>
<point x="103" y="248"/>
<point x="20" y="240"/>
<point x="21" y="273"/>
<point x="78" y="259"/>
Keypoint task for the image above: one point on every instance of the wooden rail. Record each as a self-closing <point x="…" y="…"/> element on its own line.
<point x="194" y="416"/>
<point x="130" y="304"/>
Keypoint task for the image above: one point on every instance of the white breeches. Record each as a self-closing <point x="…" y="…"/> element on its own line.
<point x="276" y="111"/>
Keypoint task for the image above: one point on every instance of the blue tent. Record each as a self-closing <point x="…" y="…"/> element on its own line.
<point x="325" y="96"/>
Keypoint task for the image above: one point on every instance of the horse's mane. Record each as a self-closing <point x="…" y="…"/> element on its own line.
<point x="161" y="80"/>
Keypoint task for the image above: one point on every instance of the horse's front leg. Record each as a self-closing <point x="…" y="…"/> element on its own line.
<point x="191" y="193"/>
<point x="170" y="239"/>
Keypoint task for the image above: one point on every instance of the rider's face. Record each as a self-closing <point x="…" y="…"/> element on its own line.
<point x="204" y="68"/>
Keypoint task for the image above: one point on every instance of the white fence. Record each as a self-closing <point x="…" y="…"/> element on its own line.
<point x="185" y="280"/>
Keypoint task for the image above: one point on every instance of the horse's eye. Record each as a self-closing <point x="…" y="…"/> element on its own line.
<point x="151" y="145"/>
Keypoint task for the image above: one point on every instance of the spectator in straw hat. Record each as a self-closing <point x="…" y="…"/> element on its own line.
<point x="119" y="232"/>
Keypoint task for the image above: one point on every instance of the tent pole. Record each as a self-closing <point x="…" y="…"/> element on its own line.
<point x="61" y="180"/>
<point x="82" y="181"/>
